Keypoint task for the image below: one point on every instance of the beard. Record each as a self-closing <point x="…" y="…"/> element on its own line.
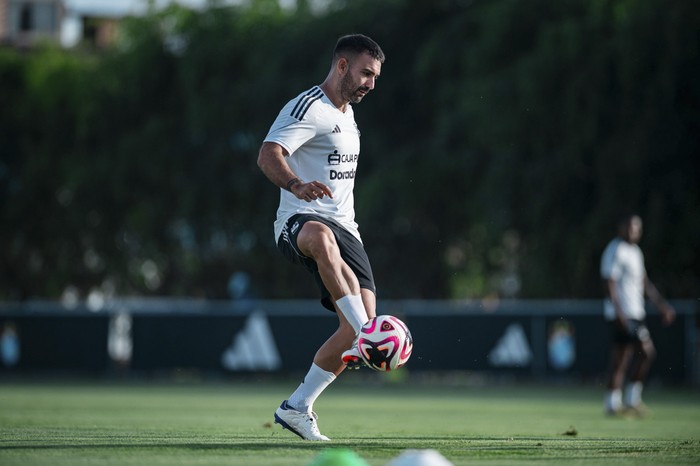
<point x="350" y="91"/>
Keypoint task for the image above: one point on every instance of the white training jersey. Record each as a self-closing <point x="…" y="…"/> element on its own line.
<point x="323" y="145"/>
<point x="623" y="262"/>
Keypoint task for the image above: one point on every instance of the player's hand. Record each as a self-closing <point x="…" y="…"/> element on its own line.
<point x="668" y="314"/>
<point x="311" y="191"/>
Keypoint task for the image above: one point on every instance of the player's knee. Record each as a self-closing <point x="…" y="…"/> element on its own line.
<point x="317" y="240"/>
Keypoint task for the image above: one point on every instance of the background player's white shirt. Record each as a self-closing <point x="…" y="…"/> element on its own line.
<point x="623" y="262"/>
<point x="323" y="145"/>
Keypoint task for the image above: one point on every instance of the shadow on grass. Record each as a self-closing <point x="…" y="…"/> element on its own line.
<point x="238" y="446"/>
<point x="272" y="442"/>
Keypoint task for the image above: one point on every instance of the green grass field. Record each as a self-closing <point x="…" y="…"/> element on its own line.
<point x="101" y="423"/>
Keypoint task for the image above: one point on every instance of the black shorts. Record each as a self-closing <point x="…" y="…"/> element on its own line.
<point x="351" y="250"/>
<point x="635" y="332"/>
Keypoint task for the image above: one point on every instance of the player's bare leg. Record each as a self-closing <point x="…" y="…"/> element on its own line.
<point x="317" y="241"/>
<point x="369" y="299"/>
<point x="619" y="360"/>
<point x="354" y="305"/>
<point x="329" y="354"/>
<point x="351" y="357"/>
<point x="644" y="355"/>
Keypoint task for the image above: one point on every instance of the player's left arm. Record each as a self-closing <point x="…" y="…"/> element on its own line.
<point x="668" y="314"/>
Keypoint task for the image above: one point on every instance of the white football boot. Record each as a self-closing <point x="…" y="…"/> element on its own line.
<point x="302" y="424"/>
<point x="351" y="358"/>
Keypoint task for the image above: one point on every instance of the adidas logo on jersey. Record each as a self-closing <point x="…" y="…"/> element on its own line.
<point x="336" y="130"/>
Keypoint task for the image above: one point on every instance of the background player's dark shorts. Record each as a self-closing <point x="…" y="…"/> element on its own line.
<point x="635" y="332"/>
<point x="351" y="250"/>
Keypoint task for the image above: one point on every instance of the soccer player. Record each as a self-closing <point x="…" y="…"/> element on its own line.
<point x="311" y="154"/>
<point x="626" y="283"/>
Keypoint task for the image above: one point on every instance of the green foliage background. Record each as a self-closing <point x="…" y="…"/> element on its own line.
<point x="502" y="141"/>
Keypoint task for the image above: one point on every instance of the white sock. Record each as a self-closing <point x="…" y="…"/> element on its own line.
<point x="354" y="311"/>
<point x="633" y="393"/>
<point x="314" y="383"/>
<point x="613" y="400"/>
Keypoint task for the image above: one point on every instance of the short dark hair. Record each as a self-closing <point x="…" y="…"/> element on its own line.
<point x="625" y="218"/>
<point x="357" y="44"/>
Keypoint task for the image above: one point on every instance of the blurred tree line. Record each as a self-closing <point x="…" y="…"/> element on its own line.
<point x="502" y="141"/>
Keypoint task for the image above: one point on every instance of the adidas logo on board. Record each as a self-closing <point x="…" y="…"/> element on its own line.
<point x="253" y="348"/>
<point x="512" y="349"/>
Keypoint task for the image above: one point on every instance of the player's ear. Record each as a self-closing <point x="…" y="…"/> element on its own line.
<point x="342" y="65"/>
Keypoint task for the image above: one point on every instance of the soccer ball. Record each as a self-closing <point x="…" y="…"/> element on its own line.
<point x="385" y="343"/>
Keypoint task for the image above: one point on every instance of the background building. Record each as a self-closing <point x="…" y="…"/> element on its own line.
<point x="23" y="22"/>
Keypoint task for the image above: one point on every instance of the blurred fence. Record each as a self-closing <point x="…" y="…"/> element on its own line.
<point x="535" y="339"/>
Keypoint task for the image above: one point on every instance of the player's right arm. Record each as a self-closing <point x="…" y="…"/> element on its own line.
<point x="668" y="314"/>
<point x="272" y="162"/>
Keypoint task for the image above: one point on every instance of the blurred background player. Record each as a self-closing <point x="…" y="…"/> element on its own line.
<point x="626" y="283"/>
<point x="311" y="154"/>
